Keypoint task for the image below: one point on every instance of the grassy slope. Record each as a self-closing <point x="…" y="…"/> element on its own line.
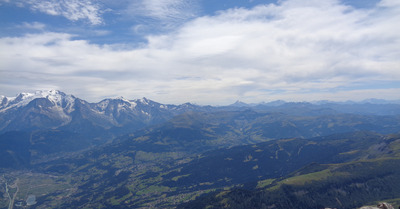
<point x="372" y="175"/>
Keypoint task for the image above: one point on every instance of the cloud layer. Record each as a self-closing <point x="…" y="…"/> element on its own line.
<point x="294" y="50"/>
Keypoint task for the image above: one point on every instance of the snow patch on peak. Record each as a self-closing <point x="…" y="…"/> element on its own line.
<point x="144" y="100"/>
<point x="101" y="106"/>
<point x="133" y="104"/>
<point x="53" y="95"/>
<point x="118" y="103"/>
<point x="122" y="98"/>
<point x="57" y="97"/>
<point x="146" y="113"/>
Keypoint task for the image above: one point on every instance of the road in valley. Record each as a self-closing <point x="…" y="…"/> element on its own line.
<point x="12" y="200"/>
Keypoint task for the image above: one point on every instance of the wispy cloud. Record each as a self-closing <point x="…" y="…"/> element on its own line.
<point x="32" y="26"/>
<point x="73" y="10"/>
<point x="166" y="12"/>
<point x="318" y="50"/>
<point x="168" y="9"/>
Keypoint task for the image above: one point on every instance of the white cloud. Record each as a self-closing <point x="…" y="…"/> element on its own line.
<point x="389" y="3"/>
<point x="291" y="51"/>
<point x="73" y="10"/>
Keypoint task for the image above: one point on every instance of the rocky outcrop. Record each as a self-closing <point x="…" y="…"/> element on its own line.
<point x="379" y="206"/>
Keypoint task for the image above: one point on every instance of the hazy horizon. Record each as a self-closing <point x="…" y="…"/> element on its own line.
<point x="368" y="100"/>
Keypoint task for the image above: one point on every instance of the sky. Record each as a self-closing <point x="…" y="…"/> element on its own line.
<point x="202" y="51"/>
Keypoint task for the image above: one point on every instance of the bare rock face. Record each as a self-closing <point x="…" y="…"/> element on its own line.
<point x="379" y="206"/>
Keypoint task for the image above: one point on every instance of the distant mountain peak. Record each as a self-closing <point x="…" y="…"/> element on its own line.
<point x="239" y="103"/>
<point x="40" y="94"/>
<point x="188" y="104"/>
<point x="123" y="99"/>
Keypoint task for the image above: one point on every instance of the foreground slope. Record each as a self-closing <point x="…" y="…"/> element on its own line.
<point x="371" y="175"/>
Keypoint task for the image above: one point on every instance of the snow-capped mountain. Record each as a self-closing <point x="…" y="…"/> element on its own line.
<point x="138" y="113"/>
<point x="56" y="97"/>
<point x="42" y="109"/>
<point x="54" y="109"/>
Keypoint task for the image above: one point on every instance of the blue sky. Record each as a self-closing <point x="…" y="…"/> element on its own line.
<point x="202" y="51"/>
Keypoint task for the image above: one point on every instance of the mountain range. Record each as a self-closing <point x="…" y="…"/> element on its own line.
<point x="121" y="153"/>
<point x="56" y="110"/>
